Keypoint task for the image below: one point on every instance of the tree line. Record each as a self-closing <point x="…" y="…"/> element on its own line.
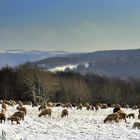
<point x="31" y="83"/>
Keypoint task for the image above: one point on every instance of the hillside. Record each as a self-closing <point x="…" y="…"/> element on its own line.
<point x="16" y="57"/>
<point x="118" y="63"/>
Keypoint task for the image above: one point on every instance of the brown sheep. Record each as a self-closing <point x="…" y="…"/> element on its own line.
<point x="22" y="109"/>
<point x="2" y="117"/>
<point x="104" y="106"/>
<point x="20" y="103"/>
<point x="20" y="114"/>
<point x="3" y="111"/>
<point x="112" y="117"/>
<point x="135" y="107"/>
<point x="117" y="106"/>
<point x="42" y="107"/>
<point x="14" y="118"/>
<point x="4" y="106"/>
<point x="88" y="107"/>
<point x="97" y="107"/>
<point x="64" y="113"/>
<point x="136" y="124"/>
<point x="8" y="102"/>
<point x="80" y="106"/>
<point x="45" y="112"/>
<point x="126" y="106"/>
<point x="131" y="115"/>
<point x="122" y="115"/>
<point x="68" y="105"/>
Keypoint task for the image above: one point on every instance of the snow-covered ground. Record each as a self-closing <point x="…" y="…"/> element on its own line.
<point x="62" y="68"/>
<point x="80" y="125"/>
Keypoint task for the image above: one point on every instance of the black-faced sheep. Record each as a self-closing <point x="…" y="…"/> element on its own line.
<point x="64" y="113"/>
<point x="116" y="109"/>
<point x="45" y="112"/>
<point x="112" y="117"/>
<point x="131" y="115"/>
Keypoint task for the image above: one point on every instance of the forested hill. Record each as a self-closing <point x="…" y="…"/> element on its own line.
<point x="118" y="63"/>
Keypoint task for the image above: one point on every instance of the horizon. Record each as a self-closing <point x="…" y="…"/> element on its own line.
<point x="23" y="50"/>
<point x="85" y="26"/>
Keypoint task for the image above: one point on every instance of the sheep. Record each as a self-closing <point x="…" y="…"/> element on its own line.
<point x="112" y="117"/>
<point x="117" y="106"/>
<point x="50" y="104"/>
<point x="104" y="106"/>
<point x="59" y="104"/>
<point x="8" y="102"/>
<point x="88" y="107"/>
<point x="14" y="118"/>
<point x="97" y="107"/>
<point x="4" y="106"/>
<point x="20" y="103"/>
<point x="2" y="117"/>
<point x="68" y="105"/>
<point x="135" y="107"/>
<point x="20" y="114"/>
<point x="116" y="109"/>
<point x="22" y="109"/>
<point x="92" y="107"/>
<point x="131" y="115"/>
<point x="126" y="106"/>
<point x="45" y="112"/>
<point x="3" y="111"/>
<point x="42" y="107"/>
<point x="80" y="106"/>
<point x="1" y="101"/>
<point x="136" y="124"/>
<point x="122" y="115"/>
<point x="64" y="113"/>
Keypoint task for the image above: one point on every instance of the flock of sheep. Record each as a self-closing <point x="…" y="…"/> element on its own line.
<point x="117" y="115"/>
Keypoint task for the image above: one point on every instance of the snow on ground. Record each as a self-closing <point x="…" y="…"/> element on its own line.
<point x="62" y="68"/>
<point x="80" y="125"/>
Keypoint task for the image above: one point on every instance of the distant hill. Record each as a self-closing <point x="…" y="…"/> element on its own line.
<point x="114" y="63"/>
<point x="16" y="57"/>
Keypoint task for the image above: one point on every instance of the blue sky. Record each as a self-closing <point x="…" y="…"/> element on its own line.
<point x="73" y="25"/>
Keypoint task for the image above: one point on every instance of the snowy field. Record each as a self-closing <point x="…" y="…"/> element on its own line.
<point x="80" y="125"/>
